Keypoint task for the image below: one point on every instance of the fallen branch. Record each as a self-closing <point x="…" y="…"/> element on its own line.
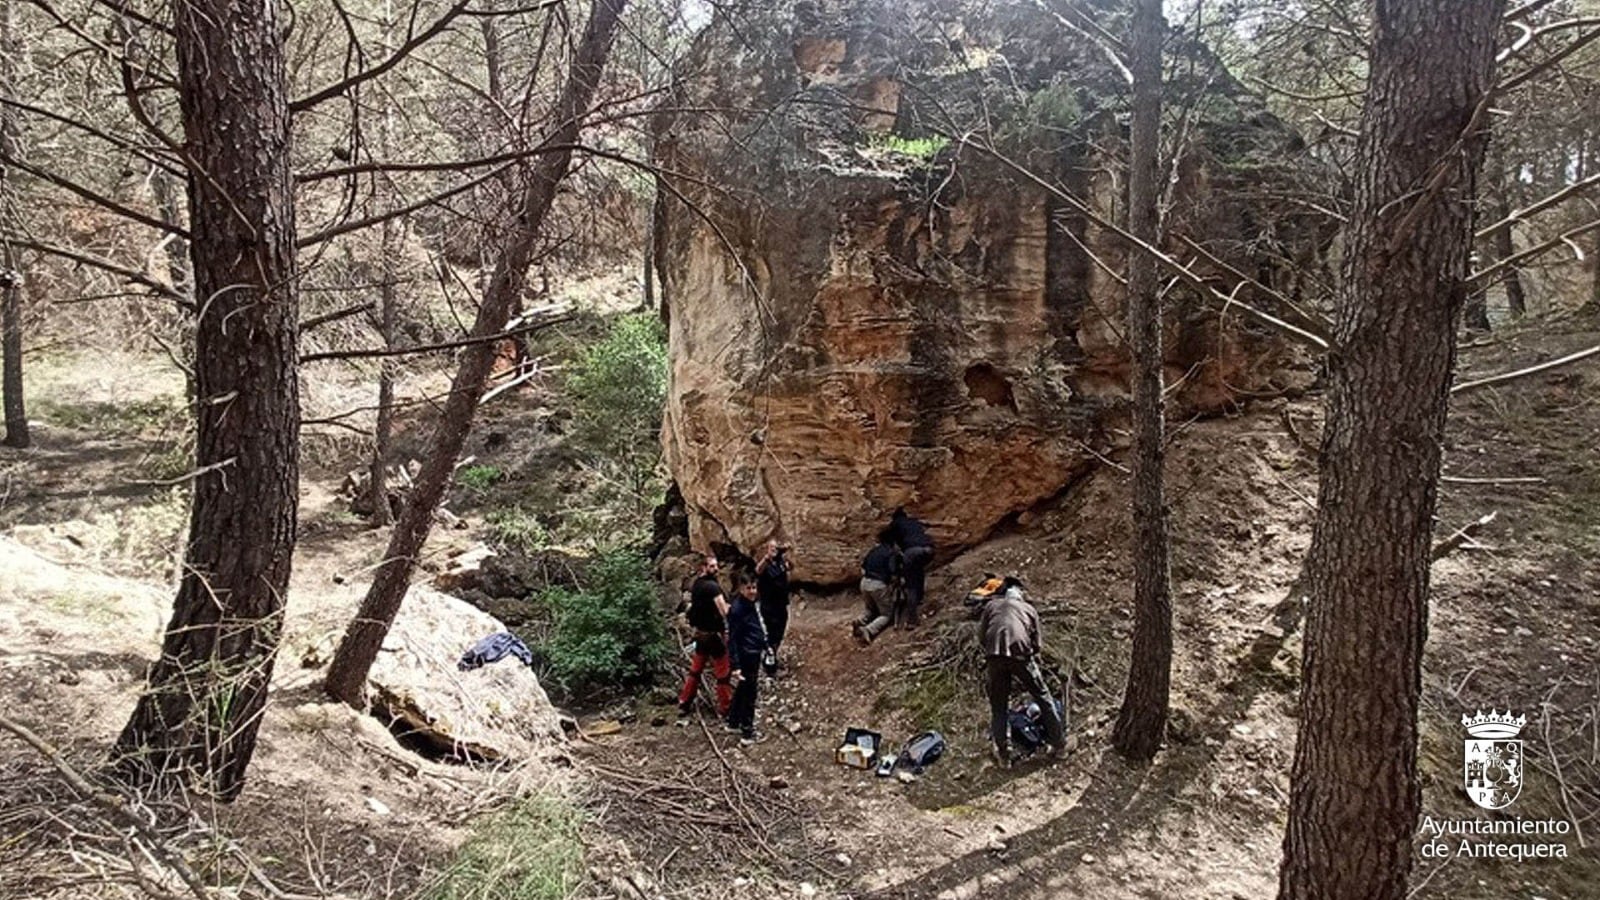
<point x="1463" y="534"/>
<point x="1464" y="479"/>
<point x="113" y="804"/>
<point x="1531" y="370"/>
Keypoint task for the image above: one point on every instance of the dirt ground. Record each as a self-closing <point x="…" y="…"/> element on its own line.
<point x="680" y="811"/>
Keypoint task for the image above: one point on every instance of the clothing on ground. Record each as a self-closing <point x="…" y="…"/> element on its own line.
<point x="494" y="648"/>
<point x="1000" y="673"/>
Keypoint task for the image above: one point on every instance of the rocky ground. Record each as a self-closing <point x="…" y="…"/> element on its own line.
<point x="682" y="811"/>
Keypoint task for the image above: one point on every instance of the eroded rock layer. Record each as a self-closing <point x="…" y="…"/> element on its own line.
<point x="866" y="314"/>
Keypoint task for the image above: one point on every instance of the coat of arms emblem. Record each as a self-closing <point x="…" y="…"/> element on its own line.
<point x="1493" y="758"/>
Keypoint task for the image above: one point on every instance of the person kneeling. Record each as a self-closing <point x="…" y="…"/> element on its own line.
<point x="879" y="570"/>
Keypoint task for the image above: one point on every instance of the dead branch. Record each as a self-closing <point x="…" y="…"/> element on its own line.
<point x="106" y="265"/>
<point x="553" y="315"/>
<point x="1462" y="535"/>
<point x="1462" y="479"/>
<point x="111" y="803"/>
<point x="1531" y="370"/>
<point x="1517" y="259"/>
<point x="95" y="197"/>
<point x="1518" y="215"/>
<point x="335" y="316"/>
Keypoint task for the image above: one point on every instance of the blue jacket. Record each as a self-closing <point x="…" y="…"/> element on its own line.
<point x="746" y="635"/>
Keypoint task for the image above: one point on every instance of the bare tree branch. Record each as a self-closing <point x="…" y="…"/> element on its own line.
<point x="106" y="265"/>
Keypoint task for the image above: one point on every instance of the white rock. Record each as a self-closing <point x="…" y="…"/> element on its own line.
<point x="843" y="858"/>
<point x="377" y="806"/>
<point x="807" y="889"/>
<point x="1088" y="859"/>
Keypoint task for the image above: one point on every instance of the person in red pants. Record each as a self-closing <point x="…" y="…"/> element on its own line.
<point x="708" y="616"/>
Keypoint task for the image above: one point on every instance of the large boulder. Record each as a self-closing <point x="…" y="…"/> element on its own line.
<point x="865" y="315"/>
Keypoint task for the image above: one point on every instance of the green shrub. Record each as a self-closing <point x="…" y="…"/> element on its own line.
<point x="530" y="850"/>
<point x="610" y="633"/>
<point x="518" y="529"/>
<point x="620" y="387"/>
<point x="921" y="149"/>
<point x="478" y="479"/>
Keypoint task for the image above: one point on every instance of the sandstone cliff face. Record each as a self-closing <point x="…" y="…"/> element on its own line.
<point x="863" y="316"/>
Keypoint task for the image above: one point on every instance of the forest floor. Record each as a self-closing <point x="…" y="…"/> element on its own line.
<point x="676" y="812"/>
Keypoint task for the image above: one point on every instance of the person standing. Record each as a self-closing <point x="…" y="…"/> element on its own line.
<point x="1011" y="645"/>
<point x="879" y="569"/>
<point x="772" y="598"/>
<point x="707" y="614"/>
<point x="916" y="551"/>
<point x="747" y="641"/>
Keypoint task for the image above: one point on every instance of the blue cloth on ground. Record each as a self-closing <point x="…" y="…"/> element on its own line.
<point x="494" y="648"/>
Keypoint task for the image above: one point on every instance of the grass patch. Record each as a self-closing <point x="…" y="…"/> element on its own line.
<point x="531" y="850"/>
<point x="518" y="529"/>
<point x="478" y="479"/>
<point x="919" y="149"/>
<point x="133" y="418"/>
<point x="927" y="699"/>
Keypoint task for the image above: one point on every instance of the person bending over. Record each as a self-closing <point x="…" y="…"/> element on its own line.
<point x="916" y="551"/>
<point x="1011" y="644"/>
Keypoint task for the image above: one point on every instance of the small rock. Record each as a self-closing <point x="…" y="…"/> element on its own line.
<point x="996" y="845"/>
<point x="905" y="777"/>
<point x="777" y="782"/>
<point x="1088" y="859"/>
<point x="741" y="881"/>
<point x="844" y="859"/>
<point x="377" y="806"/>
<point x="807" y="889"/>
<point x="1501" y="631"/>
<point x="1520" y="631"/>
<point x="337" y="578"/>
<point x="68" y="677"/>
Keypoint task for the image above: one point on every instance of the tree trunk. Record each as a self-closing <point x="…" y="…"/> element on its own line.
<point x="1143" y="718"/>
<point x="1354" y="794"/>
<point x="1499" y="209"/>
<point x="347" y="675"/>
<point x="16" y="413"/>
<point x="196" y="724"/>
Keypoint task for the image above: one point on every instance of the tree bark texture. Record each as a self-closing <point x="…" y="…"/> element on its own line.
<point x="196" y="723"/>
<point x="1354" y="795"/>
<point x="16" y="414"/>
<point x="1143" y="717"/>
<point x="347" y="674"/>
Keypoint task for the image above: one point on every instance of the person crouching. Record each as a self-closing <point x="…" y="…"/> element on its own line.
<point x="1011" y="644"/>
<point x="747" y="641"/>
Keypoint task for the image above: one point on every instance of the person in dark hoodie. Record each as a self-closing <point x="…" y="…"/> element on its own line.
<point x="772" y="597"/>
<point x="747" y="641"/>
<point x="879" y="569"/>
<point x="1011" y="645"/>
<point x="916" y="551"/>
<point x="707" y="611"/>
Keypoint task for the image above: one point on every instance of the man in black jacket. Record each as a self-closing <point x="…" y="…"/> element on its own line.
<point x="747" y="641"/>
<point x="708" y="609"/>
<point x="879" y="571"/>
<point x="772" y="598"/>
<point x="1011" y="645"/>
<point x="916" y="551"/>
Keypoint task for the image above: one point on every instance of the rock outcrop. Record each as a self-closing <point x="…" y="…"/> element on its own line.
<point x="864" y="314"/>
